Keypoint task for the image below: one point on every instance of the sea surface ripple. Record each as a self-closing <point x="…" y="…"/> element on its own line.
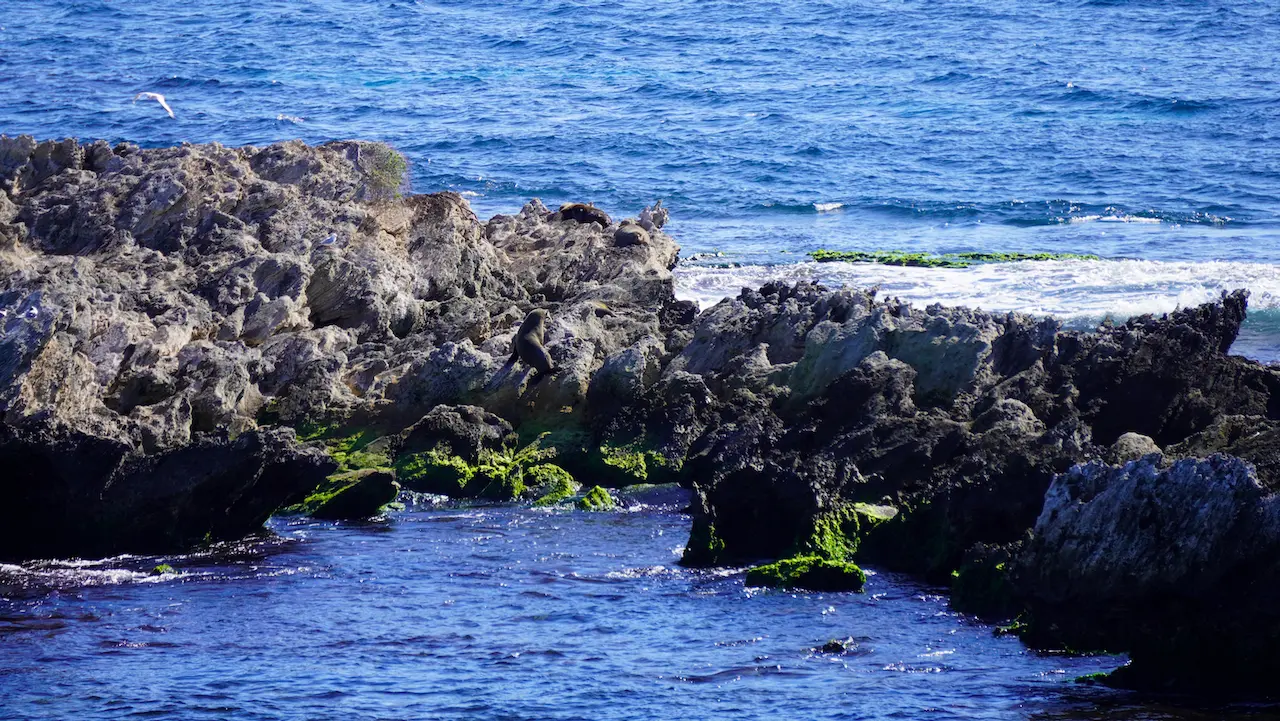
<point x="508" y="613"/>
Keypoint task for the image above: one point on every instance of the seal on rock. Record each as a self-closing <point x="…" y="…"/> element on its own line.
<point x="630" y="233"/>
<point x="527" y="345"/>
<point x="581" y="213"/>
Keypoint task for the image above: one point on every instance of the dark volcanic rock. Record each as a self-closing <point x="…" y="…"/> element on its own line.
<point x="363" y="495"/>
<point x="72" y="494"/>
<point x="959" y="418"/>
<point x="1178" y="566"/>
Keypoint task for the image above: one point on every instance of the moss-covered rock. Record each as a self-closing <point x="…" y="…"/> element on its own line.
<point x="500" y="473"/>
<point x="435" y="471"/>
<point x="634" y="463"/>
<point x="704" y="547"/>
<point x="353" y="448"/>
<point x="810" y="572"/>
<point x="551" y="484"/>
<point x="596" y="499"/>
<point x="350" y="495"/>
<point x="163" y="569"/>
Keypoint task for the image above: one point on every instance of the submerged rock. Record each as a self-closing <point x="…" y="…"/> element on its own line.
<point x="809" y="572"/>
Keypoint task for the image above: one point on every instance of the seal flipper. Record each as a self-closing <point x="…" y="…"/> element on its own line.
<point x="539" y="375"/>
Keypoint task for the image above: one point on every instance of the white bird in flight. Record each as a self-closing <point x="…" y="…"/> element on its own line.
<point x="156" y="97"/>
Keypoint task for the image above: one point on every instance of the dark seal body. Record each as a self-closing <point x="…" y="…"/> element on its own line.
<point x="580" y="213"/>
<point x="527" y="344"/>
<point x="630" y="233"/>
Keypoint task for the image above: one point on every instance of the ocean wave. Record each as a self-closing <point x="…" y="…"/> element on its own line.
<point x="1078" y="290"/>
<point x="1016" y="213"/>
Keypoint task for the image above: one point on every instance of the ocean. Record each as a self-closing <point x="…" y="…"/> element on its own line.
<point x="1141" y="132"/>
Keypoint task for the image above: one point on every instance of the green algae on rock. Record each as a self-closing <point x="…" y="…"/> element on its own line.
<point x="350" y="495"/>
<point x="837" y="533"/>
<point x="434" y="471"/>
<point x="498" y="475"/>
<point x="352" y="449"/>
<point x="814" y="573"/>
<point x="163" y="569"/>
<point x="553" y="484"/>
<point x="636" y="463"/>
<point x="925" y="259"/>
<point x="502" y="471"/>
<point x="704" y="547"/>
<point x="596" y="499"/>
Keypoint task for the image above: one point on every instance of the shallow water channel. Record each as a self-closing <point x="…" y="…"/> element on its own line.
<point x="509" y="613"/>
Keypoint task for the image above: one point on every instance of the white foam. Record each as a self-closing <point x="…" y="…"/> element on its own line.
<point x="827" y="207"/>
<point x="1111" y="219"/>
<point x="1064" y="288"/>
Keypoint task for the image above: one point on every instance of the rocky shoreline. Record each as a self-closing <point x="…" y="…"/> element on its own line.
<point x="195" y="338"/>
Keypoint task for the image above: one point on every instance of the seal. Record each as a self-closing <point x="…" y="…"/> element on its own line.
<point x="527" y="345"/>
<point x="580" y="213"/>
<point x="630" y="233"/>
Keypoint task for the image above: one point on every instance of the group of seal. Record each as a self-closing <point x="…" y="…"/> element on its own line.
<point x="527" y="345"/>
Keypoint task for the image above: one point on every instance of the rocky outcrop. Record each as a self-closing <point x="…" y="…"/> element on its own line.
<point x="1179" y="566"/>
<point x="158" y="300"/>
<point x="170" y="316"/>
<point x="959" y="418"/>
<point x="818" y="401"/>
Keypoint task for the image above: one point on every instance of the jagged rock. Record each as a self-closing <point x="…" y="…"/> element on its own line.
<point x="959" y="417"/>
<point x="1178" y="566"/>
<point x="1255" y="439"/>
<point x="154" y="296"/>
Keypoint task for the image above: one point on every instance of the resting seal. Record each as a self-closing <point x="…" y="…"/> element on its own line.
<point x="630" y="233"/>
<point x="527" y="345"/>
<point x="583" y="214"/>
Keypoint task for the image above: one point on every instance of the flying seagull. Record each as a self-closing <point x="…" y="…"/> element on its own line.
<point x="156" y="97"/>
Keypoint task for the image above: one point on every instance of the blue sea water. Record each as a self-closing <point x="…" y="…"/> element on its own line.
<point x="1145" y="132"/>
<point x="510" y="614"/>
